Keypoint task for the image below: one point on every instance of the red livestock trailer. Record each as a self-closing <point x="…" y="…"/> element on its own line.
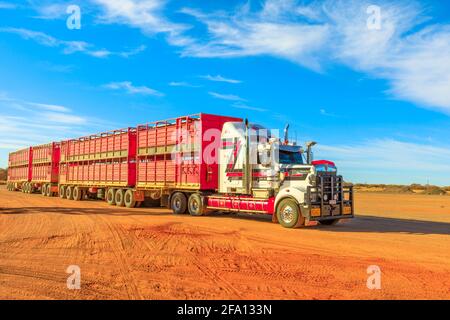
<point x="178" y="155"/>
<point x="19" y="170"/>
<point x="92" y="165"/>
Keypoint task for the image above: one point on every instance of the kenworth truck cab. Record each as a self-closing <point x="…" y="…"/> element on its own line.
<point x="295" y="189"/>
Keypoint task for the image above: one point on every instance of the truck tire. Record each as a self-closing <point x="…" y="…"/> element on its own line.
<point x="119" y="198"/>
<point x="77" y="193"/>
<point x="49" y="192"/>
<point x="62" y="192"/>
<point x="196" y="206"/>
<point x="44" y="190"/>
<point x="129" y="200"/>
<point x="289" y="214"/>
<point x="178" y="203"/>
<point x="110" y="197"/>
<point x="329" y="222"/>
<point x="69" y="192"/>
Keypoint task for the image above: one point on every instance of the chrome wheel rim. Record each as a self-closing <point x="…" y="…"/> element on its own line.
<point x="287" y="214"/>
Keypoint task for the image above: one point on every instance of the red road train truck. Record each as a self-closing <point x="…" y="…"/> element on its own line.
<point x="202" y="163"/>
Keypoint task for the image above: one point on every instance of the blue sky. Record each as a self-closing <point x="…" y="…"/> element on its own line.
<point x="376" y="99"/>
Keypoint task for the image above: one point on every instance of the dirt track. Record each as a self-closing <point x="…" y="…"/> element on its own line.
<point x="151" y="254"/>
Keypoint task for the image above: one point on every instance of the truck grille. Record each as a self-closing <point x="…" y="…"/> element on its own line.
<point x="330" y="194"/>
<point x="330" y="187"/>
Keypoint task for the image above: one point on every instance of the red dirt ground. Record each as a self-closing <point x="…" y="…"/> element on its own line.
<point x="148" y="253"/>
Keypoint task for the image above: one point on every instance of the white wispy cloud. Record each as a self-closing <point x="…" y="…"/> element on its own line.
<point x="230" y="97"/>
<point x="247" y="33"/>
<point x="389" y="161"/>
<point x="50" y="11"/>
<point x="414" y="59"/>
<point x="325" y="113"/>
<point x="146" y="15"/>
<point x="409" y="51"/>
<point x="240" y="105"/>
<point x="7" y="5"/>
<point x="51" y="107"/>
<point x="69" y="47"/>
<point x="183" y="84"/>
<point x="219" y="78"/>
<point x="129" y="88"/>
<point x="24" y="123"/>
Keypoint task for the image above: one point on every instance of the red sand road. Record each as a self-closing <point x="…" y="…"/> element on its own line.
<point x="148" y="253"/>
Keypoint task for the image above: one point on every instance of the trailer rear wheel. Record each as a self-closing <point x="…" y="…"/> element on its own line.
<point x="119" y="198"/>
<point x="49" y="192"/>
<point x="77" y="194"/>
<point x="110" y="197"/>
<point x="129" y="200"/>
<point x="331" y="222"/>
<point x="195" y="205"/>
<point x="178" y="203"/>
<point x="289" y="215"/>
<point x="69" y="192"/>
<point x="62" y="192"/>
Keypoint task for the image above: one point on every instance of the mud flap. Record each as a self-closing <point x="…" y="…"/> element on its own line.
<point x="274" y="218"/>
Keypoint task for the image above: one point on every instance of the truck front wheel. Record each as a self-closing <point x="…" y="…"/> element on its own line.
<point x="178" y="203"/>
<point x="289" y="215"/>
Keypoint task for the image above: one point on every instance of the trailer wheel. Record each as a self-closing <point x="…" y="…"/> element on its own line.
<point x="195" y="205"/>
<point x="178" y="203"/>
<point x="110" y="197"/>
<point x="119" y="198"/>
<point x="129" y="200"/>
<point x="289" y="215"/>
<point x="62" y="192"/>
<point x="77" y="194"/>
<point x="329" y="222"/>
<point x="69" y="192"/>
<point x="49" y="192"/>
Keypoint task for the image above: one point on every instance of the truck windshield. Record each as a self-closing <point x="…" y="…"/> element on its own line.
<point x="287" y="157"/>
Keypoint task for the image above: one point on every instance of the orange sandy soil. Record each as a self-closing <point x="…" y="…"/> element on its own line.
<point x="148" y="253"/>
